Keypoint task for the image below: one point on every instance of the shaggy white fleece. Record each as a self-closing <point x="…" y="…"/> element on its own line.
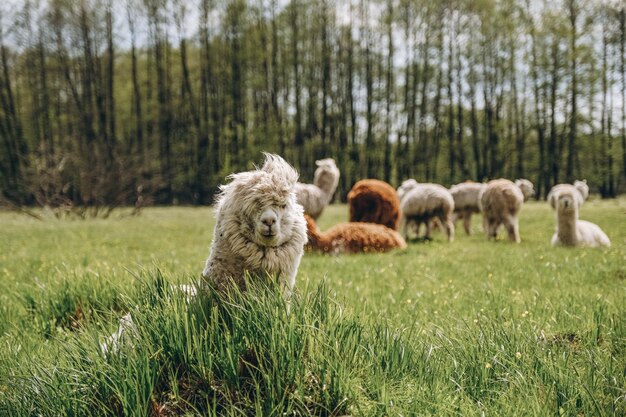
<point x="569" y="230"/>
<point x="423" y="202"/>
<point x="314" y="197"/>
<point x="260" y="228"/>
<point x="580" y="186"/>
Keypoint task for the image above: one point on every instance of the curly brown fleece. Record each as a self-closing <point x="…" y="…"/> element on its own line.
<point x="374" y="201"/>
<point x="353" y="238"/>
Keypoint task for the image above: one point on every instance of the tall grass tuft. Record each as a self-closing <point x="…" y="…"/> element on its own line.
<point x="235" y="354"/>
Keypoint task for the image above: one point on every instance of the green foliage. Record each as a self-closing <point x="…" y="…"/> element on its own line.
<point x="460" y="328"/>
<point x="157" y="101"/>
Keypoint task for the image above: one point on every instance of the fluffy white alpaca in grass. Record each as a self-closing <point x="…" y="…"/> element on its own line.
<point x="314" y="197"/>
<point x="466" y="202"/>
<point x="580" y="186"/>
<point x="260" y="231"/>
<point x="569" y="230"/>
<point x="260" y="227"/>
<point x="423" y="202"/>
<point x="500" y="202"/>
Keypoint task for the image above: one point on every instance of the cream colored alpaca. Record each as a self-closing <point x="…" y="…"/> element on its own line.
<point x="260" y="228"/>
<point x="526" y="187"/>
<point x="569" y="230"/>
<point x="466" y="202"/>
<point x="580" y="186"/>
<point x="314" y="197"/>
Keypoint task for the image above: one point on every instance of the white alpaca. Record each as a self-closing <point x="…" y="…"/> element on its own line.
<point x="314" y="197"/>
<point x="500" y="202"/>
<point x="466" y="196"/>
<point x="260" y="231"/>
<point x="569" y="230"/>
<point x="526" y="187"/>
<point x="423" y="202"/>
<point x="580" y="186"/>
<point x="260" y="228"/>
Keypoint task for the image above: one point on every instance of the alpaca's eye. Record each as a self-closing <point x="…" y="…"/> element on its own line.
<point x="282" y="206"/>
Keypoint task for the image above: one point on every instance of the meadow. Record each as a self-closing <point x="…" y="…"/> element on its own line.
<point x="463" y="328"/>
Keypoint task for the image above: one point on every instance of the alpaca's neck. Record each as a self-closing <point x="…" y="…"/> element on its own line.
<point x="327" y="185"/>
<point x="567" y="227"/>
<point x="317" y="239"/>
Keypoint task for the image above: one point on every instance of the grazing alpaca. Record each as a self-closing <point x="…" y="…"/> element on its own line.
<point x="500" y="202"/>
<point x="422" y="203"/>
<point x="353" y="238"/>
<point x="260" y="228"/>
<point x="314" y="197"/>
<point x="580" y="186"/>
<point x="569" y="230"/>
<point x="526" y="187"/>
<point x="374" y="201"/>
<point x="466" y="196"/>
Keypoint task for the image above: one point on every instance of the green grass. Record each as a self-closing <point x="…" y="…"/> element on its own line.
<point x="467" y="328"/>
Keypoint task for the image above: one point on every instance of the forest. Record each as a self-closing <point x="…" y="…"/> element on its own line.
<point x="137" y="102"/>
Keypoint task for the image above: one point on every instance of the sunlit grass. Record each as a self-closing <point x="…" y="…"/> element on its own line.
<point x="464" y="328"/>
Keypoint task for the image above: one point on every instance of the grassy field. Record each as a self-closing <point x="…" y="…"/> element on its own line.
<point x="467" y="328"/>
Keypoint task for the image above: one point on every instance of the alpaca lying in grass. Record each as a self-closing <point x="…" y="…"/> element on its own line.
<point x="353" y="238"/>
<point x="580" y="186"/>
<point x="374" y="201"/>
<point x="260" y="228"/>
<point x="569" y="230"/>
<point x="314" y="197"/>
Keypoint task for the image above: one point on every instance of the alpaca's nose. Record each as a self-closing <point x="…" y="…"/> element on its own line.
<point x="268" y="218"/>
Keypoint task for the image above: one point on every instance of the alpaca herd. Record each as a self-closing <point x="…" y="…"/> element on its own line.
<point x="415" y="204"/>
<point x="265" y="218"/>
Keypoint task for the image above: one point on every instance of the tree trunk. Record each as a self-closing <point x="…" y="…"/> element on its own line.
<point x="571" y="146"/>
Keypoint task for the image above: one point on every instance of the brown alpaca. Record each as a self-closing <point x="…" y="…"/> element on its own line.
<point x="501" y="201"/>
<point x="374" y="201"/>
<point x="353" y="238"/>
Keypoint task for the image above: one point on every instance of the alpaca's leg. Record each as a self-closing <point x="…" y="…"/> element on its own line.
<point x="496" y="229"/>
<point x="486" y="227"/>
<point x="405" y="227"/>
<point x="512" y="227"/>
<point x="448" y="225"/>
<point x="467" y="223"/>
<point x="492" y="228"/>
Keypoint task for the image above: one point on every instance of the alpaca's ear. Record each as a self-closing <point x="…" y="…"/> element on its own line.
<point x="323" y="162"/>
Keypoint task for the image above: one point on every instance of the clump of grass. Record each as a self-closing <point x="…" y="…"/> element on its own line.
<point x="236" y="354"/>
<point x="69" y="303"/>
